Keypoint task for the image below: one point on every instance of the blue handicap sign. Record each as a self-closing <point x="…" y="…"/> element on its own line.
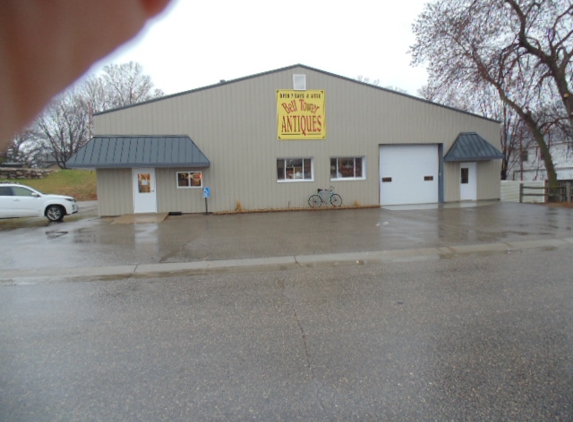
<point x="206" y="192"/>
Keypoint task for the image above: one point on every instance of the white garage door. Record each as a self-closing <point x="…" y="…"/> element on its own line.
<point x="409" y="174"/>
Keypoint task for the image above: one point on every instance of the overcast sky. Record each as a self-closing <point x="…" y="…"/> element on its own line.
<point x="198" y="43"/>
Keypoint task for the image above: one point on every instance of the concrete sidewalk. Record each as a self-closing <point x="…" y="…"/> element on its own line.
<point x="283" y="262"/>
<point x="195" y="244"/>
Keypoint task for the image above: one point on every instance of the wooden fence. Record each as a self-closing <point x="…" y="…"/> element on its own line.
<point x="550" y="194"/>
<point x="510" y="191"/>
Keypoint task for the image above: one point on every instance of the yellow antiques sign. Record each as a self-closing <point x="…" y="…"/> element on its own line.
<point x="301" y="114"/>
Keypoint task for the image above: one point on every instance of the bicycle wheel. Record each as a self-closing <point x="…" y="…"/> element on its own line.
<point x="335" y="200"/>
<point x="314" y="201"/>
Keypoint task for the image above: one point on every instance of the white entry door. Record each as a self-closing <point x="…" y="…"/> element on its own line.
<point x="144" y="195"/>
<point x="409" y="174"/>
<point x="468" y="181"/>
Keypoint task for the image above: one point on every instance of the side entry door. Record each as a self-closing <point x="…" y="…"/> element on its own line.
<point x="468" y="181"/>
<point x="144" y="194"/>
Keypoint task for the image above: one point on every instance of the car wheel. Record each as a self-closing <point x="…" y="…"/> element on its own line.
<point x="55" y="213"/>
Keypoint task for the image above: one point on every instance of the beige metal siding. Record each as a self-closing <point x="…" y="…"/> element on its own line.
<point x="234" y="124"/>
<point x="114" y="192"/>
<point x="170" y="198"/>
<point x="488" y="179"/>
<point x="451" y="182"/>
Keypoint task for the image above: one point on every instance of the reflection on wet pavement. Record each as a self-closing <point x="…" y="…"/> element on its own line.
<point x="53" y="234"/>
<point x="84" y="235"/>
<point x="198" y="237"/>
<point x="145" y="239"/>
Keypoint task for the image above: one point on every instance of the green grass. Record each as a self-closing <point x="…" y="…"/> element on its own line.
<point x="81" y="184"/>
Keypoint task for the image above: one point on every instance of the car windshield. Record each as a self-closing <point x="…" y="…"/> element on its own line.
<point x="35" y="190"/>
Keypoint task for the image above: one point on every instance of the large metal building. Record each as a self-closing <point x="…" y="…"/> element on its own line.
<point x="270" y="140"/>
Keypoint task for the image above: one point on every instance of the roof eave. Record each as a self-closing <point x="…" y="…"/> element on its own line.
<point x="470" y="159"/>
<point x="139" y="165"/>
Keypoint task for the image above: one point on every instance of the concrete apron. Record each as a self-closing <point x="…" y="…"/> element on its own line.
<point x="276" y="263"/>
<point x="140" y="218"/>
<point x="196" y="244"/>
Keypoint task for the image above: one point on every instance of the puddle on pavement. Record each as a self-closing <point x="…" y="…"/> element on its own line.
<point x="85" y="236"/>
<point x="146" y="239"/>
<point x="54" y="234"/>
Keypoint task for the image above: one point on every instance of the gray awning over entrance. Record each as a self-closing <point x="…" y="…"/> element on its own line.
<point x="469" y="147"/>
<point x="139" y="151"/>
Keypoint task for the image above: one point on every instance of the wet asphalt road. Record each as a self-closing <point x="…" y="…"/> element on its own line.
<point x="94" y="242"/>
<point x="477" y="336"/>
<point x="485" y="337"/>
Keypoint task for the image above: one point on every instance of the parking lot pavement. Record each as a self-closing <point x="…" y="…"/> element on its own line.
<point x="202" y="242"/>
<point x="485" y="337"/>
<point x="464" y="314"/>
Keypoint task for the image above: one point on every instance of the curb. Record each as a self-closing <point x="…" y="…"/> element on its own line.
<point x="285" y="262"/>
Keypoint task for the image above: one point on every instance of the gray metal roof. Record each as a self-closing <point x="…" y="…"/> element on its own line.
<point x="139" y="151"/>
<point x="470" y="146"/>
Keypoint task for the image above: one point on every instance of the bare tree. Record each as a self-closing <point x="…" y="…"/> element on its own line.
<point x="396" y="89"/>
<point x="120" y="85"/>
<point x="376" y="82"/>
<point x="473" y="44"/>
<point x="367" y="80"/>
<point x="16" y="151"/>
<point x="63" y="128"/>
<point x="514" y="135"/>
<point x="65" y="124"/>
<point x="545" y="31"/>
<point x="25" y="148"/>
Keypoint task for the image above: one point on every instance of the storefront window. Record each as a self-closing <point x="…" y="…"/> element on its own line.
<point x="347" y="168"/>
<point x="190" y="179"/>
<point x="294" y="169"/>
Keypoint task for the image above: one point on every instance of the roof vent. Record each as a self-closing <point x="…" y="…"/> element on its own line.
<point x="299" y="82"/>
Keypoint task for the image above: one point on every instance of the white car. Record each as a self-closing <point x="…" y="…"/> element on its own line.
<point x="22" y="201"/>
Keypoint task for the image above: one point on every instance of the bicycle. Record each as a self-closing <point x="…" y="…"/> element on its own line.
<point x="324" y="197"/>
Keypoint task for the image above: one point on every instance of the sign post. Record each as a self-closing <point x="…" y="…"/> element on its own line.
<point x="206" y="195"/>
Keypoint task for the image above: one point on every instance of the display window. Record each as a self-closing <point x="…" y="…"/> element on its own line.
<point x="294" y="169"/>
<point x="347" y="168"/>
<point x="189" y="179"/>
